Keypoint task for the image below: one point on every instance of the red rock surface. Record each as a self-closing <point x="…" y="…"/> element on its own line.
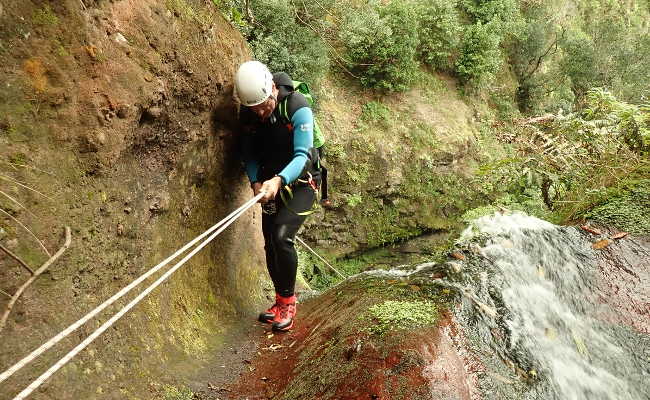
<point x="321" y="360"/>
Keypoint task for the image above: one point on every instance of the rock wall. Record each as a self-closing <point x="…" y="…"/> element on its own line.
<point x="119" y="113"/>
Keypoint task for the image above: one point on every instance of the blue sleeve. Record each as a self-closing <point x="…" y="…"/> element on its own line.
<point x="303" y="139"/>
<point x="250" y="161"/>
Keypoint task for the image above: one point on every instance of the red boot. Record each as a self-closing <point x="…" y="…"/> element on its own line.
<point x="269" y="315"/>
<point x="286" y="312"/>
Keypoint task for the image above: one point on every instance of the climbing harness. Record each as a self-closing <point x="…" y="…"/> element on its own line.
<point x="287" y="188"/>
<point x="217" y="229"/>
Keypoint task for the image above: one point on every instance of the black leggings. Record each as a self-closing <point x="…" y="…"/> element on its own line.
<point x="279" y="231"/>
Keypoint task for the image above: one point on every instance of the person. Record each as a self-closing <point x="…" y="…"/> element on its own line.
<point x="280" y="163"/>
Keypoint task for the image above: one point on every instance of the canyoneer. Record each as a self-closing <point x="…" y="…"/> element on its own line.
<point x="281" y="162"/>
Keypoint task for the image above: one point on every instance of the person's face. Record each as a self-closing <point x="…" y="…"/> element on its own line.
<point x="264" y="109"/>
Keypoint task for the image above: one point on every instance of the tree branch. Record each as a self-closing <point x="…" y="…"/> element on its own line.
<point x="43" y="268"/>
<point x="15" y="257"/>
<point x="333" y="51"/>
<point x="553" y="44"/>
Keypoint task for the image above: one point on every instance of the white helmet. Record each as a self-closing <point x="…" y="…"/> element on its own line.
<point x="253" y="83"/>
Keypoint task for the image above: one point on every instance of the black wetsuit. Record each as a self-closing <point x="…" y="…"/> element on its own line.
<point x="277" y="147"/>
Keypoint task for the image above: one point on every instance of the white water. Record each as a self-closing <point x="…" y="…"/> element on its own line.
<point x="543" y="273"/>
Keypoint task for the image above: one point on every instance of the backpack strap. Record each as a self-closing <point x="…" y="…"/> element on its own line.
<point x="284" y="113"/>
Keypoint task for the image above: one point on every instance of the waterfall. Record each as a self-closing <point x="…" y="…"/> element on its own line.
<point x="542" y="280"/>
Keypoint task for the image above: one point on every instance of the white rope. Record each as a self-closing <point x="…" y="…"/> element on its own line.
<point x="320" y="258"/>
<point x="39" y="381"/>
<point x="50" y="343"/>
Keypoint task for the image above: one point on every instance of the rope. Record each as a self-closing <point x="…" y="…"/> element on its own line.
<point x="223" y="223"/>
<point x="320" y="258"/>
<point x="39" y="381"/>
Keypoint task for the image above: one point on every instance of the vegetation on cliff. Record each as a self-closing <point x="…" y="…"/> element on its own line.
<point x="438" y="111"/>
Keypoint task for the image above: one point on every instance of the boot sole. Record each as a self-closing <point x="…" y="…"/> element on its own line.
<point x="285" y="329"/>
<point x="265" y="320"/>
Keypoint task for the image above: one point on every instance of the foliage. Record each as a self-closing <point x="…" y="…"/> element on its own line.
<point x="486" y="11"/>
<point x="439" y="32"/>
<point x="629" y="209"/>
<point x="174" y="393"/>
<point x="45" y="17"/>
<point x="555" y="56"/>
<point x="302" y="55"/>
<point x="576" y="161"/>
<point x="359" y="173"/>
<point x="578" y="63"/>
<point x="382" y="224"/>
<point x="375" y="111"/>
<point x="529" y="53"/>
<point x="493" y="22"/>
<point x="399" y="315"/>
<point x="280" y="40"/>
<point x="558" y="58"/>
<point x="381" y="43"/>
<point x="353" y="200"/>
<point x="480" y="56"/>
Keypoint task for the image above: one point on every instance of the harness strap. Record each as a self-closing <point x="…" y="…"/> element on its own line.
<point x="287" y="188"/>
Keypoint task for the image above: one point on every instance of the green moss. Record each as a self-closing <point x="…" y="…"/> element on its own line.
<point x="18" y="158"/>
<point x="358" y="173"/>
<point x="61" y="50"/>
<point x="45" y="17"/>
<point x="185" y="11"/>
<point x="383" y="225"/>
<point x="629" y="209"/>
<point x="478" y="212"/>
<point x="353" y="200"/>
<point x="174" y="393"/>
<point x="423" y="136"/>
<point x="400" y="315"/>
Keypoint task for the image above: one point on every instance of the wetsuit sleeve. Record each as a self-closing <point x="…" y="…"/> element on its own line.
<point x="251" y="162"/>
<point x="303" y="139"/>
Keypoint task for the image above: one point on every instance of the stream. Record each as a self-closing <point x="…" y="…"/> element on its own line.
<point x="555" y="326"/>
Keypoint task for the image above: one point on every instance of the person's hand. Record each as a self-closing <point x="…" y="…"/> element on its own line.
<point x="270" y="188"/>
<point x="257" y="187"/>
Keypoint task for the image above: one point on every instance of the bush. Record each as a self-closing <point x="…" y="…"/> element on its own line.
<point x="579" y="61"/>
<point x="375" y="111"/>
<point x="381" y="43"/>
<point x="281" y="42"/>
<point x="480" y="55"/>
<point x="301" y="54"/>
<point x="485" y="11"/>
<point x="439" y="32"/>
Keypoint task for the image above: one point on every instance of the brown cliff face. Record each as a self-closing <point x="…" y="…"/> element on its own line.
<point x="120" y="113"/>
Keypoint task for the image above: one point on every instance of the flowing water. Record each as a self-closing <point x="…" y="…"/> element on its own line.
<point x="551" y="326"/>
